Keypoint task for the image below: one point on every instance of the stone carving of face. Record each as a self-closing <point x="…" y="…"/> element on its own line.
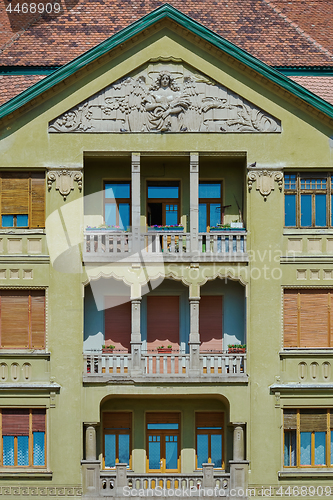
<point x="165" y="81"/>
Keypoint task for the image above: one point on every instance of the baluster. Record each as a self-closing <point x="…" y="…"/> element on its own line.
<point x="107" y="363"/>
<point x="150" y="364"/>
<point x="122" y="243"/>
<point x="158" y="369"/>
<point x="238" y="361"/>
<point x="99" y="243"/>
<point x="99" y="364"/>
<point x="165" y="243"/>
<point x="200" y="238"/>
<point x="188" y="242"/>
<point x="244" y="360"/>
<point x="223" y="365"/>
<point x="215" y="236"/>
<point x="223" y="243"/>
<point x="173" y="363"/>
<point x="165" y="365"/>
<point x="172" y="243"/>
<point x="216" y="366"/>
<point x="208" y="242"/>
<point x="181" y="243"/>
<point x="121" y="362"/>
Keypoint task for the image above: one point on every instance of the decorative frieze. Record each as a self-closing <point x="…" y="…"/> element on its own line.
<point x="265" y="180"/>
<point x="38" y="491"/>
<point x="64" y="180"/>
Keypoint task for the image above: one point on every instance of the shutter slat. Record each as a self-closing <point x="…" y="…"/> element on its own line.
<point x="162" y="321"/>
<point x="290" y="318"/>
<point x="117" y="420"/>
<point x="38" y="319"/>
<point x="210" y="322"/>
<point x="38" y="420"/>
<point x="209" y="419"/>
<point x="290" y="419"/>
<point x="37" y="200"/>
<point x="162" y="417"/>
<point x="314" y="318"/>
<point x="15" y="422"/>
<point x="313" y="420"/>
<point x="14" y="319"/>
<point x="118" y="326"/>
<point x="15" y="194"/>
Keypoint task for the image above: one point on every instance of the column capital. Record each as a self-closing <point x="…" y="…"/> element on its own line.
<point x="194" y="299"/>
<point x="135" y="159"/>
<point x="194" y="162"/>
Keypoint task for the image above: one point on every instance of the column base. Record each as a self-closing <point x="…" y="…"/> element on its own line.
<point x="239" y="474"/>
<point x="90" y="477"/>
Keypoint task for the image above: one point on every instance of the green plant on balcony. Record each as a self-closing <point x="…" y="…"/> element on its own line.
<point x="108" y="348"/>
<point x="162" y="349"/>
<point x="236" y="348"/>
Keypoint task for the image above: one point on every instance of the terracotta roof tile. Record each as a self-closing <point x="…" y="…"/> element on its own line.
<point x="320" y="85"/>
<point x="258" y="26"/>
<point x="12" y="85"/>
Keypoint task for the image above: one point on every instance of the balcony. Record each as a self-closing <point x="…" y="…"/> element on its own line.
<point x="110" y="246"/>
<point x="168" y="367"/>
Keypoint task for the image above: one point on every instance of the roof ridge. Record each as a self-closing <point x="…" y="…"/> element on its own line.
<point x="296" y="27"/>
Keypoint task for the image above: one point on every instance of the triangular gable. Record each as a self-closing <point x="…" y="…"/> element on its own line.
<point x="166" y="12"/>
<point x="165" y="97"/>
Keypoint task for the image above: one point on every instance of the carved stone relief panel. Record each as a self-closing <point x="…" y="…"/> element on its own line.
<point x="265" y="180"/>
<point x="165" y="97"/>
<point x="64" y="180"/>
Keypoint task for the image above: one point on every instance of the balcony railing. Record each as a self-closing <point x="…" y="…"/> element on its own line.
<point x="110" y="245"/>
<point x="176" y="367"/>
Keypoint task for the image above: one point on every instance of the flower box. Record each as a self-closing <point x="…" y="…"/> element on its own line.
<point x="237" y="225"/>
<point x="236" y="350"/>
<point x="164" y="350"/>
<point x="166" y="228"/>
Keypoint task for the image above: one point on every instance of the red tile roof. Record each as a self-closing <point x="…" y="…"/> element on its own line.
<point x="320" y="85"/>
<point x="261" y="27"/>
<point x="11" y="85"/>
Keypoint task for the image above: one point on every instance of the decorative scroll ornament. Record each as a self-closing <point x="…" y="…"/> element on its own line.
<point x="64" y="180"/>
<point x="265" y="180"/>
<point x="165" y="98"/>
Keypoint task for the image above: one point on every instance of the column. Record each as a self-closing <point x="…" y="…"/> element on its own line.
<point x="194" y="200"/>
<point x="90" y="466"/>
<point x="239" y="466"/>
<point x="194" y="340"/>
<point x="135" y="186"/>
<point x="136" y="337"/>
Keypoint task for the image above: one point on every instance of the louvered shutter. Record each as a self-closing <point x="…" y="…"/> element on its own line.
<point x="14" y="319"/>
<point x="313" y="420"/>
<point x="210" y="323"/>
<point x="37" y="319"/>
<point x="15" y="422"/>
<point x="314" y="318"/>
<point x="163" y="418"/>
<point x="290" y="419"/>
<point x="209" y="419"/>
<point x="290" y="318"/>
<point x="14" y="194"/>
<point x="37" y="218"/>
<point x="118" y="326"/>
<point x="117" y="420"/>
<point x="38" y="420"/>
<point x="162" y="321"/>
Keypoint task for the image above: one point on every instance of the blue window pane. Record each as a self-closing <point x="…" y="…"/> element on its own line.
<point x="163" y="192"/>
<point x="171" y="215"/>
<point x="22" y="450"/>
<point x="110" y="450"/>
<point x="320" y="448"/>
<point x="117" y="191"/>
<point x="171" y="452"/>
<point x="306" y="210"/>
<point x="202" y="217"/>
<point x="216" y="449"/>
<point x="208" y="190"/>
<point x="290" y="181"/>
<point x="290" y="448"/>
<point x="162" y="426"/>
<point x="202" y="428"/>
<point x="39" y="448"/>
<point x="21" y="220"/>
<point x="331" y="447"/>
<point x="8" y="450"/>
<point x="305" y="448"/>
<point x="124" y="215"/>
<point x="154" y="451"/>
<point x="202" y="449"/>
<point x="290" y="210"/>
<point x="124" y="451"/>
<point x="111" y="214"/>
<point x="320" y="203"/>
<point x="8" y="221"/>
<point x="215" y="214"/>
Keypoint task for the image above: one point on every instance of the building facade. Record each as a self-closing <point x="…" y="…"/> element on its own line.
<point x="165" y="198"/>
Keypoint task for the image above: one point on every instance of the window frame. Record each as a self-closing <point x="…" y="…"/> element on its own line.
<point x="171" y="417"/>
<point x="164" y="201"/>
<point x="117" y="201"/>
<point x="210" y="432"/>
<point x="30" y="442"/>
<point x="208" y="201"/>
<point x="298" y="191"/>
<point x="117" y="431"/>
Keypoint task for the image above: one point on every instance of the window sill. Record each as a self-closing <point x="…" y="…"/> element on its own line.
<point x="288" y="231"/>
<point x="19" y="230"/>
<point x="306" y="351"/>
<point x="325" y="472"/>
<point x="18" y="353"/>
<point x="25" y="474"/>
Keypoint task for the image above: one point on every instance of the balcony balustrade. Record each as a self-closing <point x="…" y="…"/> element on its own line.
<point x="169" y="366"/>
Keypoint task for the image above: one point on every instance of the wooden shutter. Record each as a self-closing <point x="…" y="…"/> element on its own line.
<point x="210" y="322"/>
<point x="37" y="311"/>
<point x="290" y="419"/>
<point x="162" y="321"/>
<point x="290" y="318"/>
<point x="14" y="319"/>
<point x="209" y="419"/>
<point x="15" y="422"/>
<point x="162" y="417"/>
<point x="37" y="218"/>
<point x="118" y="326"/>
<point x="314" y="318"/>
<point x="117" y="420"/>
<point x="38" y="420"/>
<point x="14" y="194"/>
<point x="313" y="420"/>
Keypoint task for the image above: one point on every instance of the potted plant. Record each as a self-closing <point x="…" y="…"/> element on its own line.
<point x="220" y="227"/>
<point x="236" y="348"/>
<point x="108" y="348"/>
<point x="166" y="228"/>
<point x="162" y="349"/>
<point x="105" y="228"/>
<point x="237" y="225"/>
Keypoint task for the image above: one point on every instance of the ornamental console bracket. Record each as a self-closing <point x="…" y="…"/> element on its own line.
<point x="64" y="180"/>
<point x="265" y="179"/>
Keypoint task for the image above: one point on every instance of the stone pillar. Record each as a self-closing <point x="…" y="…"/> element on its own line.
<point x="208" y="475"/>
<point x="194" y="200"/>
<point x="239" y="466"/>
<point x="135" y="185"/>
<point x="194" y="340"/>
<point x="136" y="337"/>
<point x="90" y="466"/>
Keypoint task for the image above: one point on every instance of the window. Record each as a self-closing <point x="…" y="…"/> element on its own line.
<point x="308" y="438"/>
<point x="117" y="427"/>
<point x="163" y="440"/>
<point x="163" y="204"/>
<point x="117" y="324"/>
<point x="117" y="204"/>
<point x="162" y="321"/>
<point x="308" y="200"/>
<point x="22" y="319"/>
<point x="23" y="437"/>
<point x="209" y="437"/>
<point x="22" y="199"/>
<point x="210" y="205"/>
<point x="307" y="318"/>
